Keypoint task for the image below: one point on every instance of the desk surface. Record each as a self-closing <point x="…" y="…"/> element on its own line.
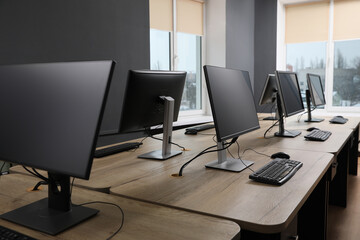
<point x="142" y="220"/>
<point x="255" y="206"/>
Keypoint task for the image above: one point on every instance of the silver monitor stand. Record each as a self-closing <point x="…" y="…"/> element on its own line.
<point x="228" y="164"/>
<point x="166" y="151"/>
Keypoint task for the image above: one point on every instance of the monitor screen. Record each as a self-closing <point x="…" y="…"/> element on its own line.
<point x="289" y="92"/>
<point x="269" y="91"/>
<point x="143" y="107"/>
<point x="50" y="114"/>
<point x="232" y="102"/>
<point x="316" y="89"/>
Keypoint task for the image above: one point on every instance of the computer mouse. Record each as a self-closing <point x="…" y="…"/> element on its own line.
<point x="312" y="128"/>
<point x="280" y="155"/>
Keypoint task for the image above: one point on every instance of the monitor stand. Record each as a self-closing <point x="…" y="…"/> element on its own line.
<point x="54" y="214"/>
<point x="166" y="151"/>
<point x="282" y="132"/>
<point x="228" y="164"/>
<point x="310" y="119"/>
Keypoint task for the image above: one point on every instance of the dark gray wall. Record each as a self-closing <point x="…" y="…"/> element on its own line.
<point x="73" y="30"/>
<point x="251" y="40"/>
<point x="265" y="46"/>
<point x="240" y="24"/>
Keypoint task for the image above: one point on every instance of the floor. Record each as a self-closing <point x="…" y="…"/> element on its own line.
<point x="344" y="223"/>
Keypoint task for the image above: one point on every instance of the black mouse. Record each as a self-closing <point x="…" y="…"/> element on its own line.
<point x="312" y="128"/>
<point x="280" y="155"/>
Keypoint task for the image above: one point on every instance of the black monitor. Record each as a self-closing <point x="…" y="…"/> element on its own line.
<point x="153" y="98"/>
<point x="50" y="119"/>
<point x="233" y="109"/>
<point x="314" y="95"/>
<point x="289" y="101"/>
<point x="268" y="95"/>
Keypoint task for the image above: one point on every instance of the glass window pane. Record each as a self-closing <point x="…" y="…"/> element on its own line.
<point x="346" y="90"/>
<point x="189" y="60"/>
<point x="159" y="50"/>
<point x="303" y="58"/>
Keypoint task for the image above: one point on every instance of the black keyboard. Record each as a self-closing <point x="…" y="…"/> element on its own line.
<point x="338" y="120"/>
<point x="196" y="129"/>
<point x="9" y="234"/>
<point x="318" y="135"/>
<point x="276" y="172"/>
<point x="116" y="149"/>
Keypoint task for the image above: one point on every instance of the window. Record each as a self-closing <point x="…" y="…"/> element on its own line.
<point x="321" y="37"/>
<point x="176" y="29"/>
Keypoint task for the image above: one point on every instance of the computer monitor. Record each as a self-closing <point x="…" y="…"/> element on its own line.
<point x="289" y="100"/>
<point x="234" y="112"/>
<point x="50" y="120"/>
<point x="153" y="98"/>
<point x="268" y="95"/>
<point x="314" y="95"/>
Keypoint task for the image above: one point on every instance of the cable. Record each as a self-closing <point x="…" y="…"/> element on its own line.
<point x="247" y="149"/>
<point x="156" y="138"/>
<point x="299" y="117"/>
<point x="38" y="176"/>
<point x="270" y="128"/>
<point x="241" y="159"/>
<point x="112" y="204"/>
<point x="227" y="145"/>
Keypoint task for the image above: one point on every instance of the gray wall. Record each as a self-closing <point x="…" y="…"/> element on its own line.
<point x="251" y="40"/>
<point x="240" y="24"/>
<point x="265" y="45"/>
<point x="68" y="30"/>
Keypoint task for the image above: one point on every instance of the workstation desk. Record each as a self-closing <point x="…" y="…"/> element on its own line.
<point x="142" y="220"/>
<point x="299" y="207"/>
<point x="343" y="143"/>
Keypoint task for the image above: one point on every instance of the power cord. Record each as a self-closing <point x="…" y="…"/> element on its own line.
<point x="227" y="145"/>
<point x="112" y="204"/>
<point x="269" y="129"/>
<point x="101" y="202"/>
<point x="299" y="117"/>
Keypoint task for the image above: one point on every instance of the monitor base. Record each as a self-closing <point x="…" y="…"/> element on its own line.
<point x="288" y="133"/>
<point x="40" y="217"/>
<point x="314" y="120"/>
<point x="158" y="155"/>
<point x="230" y="164"/>
<point x="270" y="118"/>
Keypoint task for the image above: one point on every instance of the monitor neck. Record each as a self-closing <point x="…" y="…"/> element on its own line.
<point x="59" y="193"/>
<point x="308" y="103"/>
<point x="167" y="124"/>
<point x="280" y="114"/>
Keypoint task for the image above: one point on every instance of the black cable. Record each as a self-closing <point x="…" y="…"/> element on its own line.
<point x="227" y="145"/>
<point x="270" y="128"/>
<point x="32" y="173"/>
<point x="156" y="138"/>
<point x="238" y="151"/>
<point x="247" y="149"/>
<point x="39" y="175"/>
<point x="112" y="204"/>
<point x="299" y="117"/>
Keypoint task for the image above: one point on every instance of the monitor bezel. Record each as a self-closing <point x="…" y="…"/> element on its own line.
<point x="266" y="84"/>
<point x="280" y="93"/>
<point x="308" y="75"/>
<point x="219" y="137"/>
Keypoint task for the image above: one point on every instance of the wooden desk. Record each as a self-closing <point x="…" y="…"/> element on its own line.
<point x="142" y="220"/>
<point x="262" y="211"/>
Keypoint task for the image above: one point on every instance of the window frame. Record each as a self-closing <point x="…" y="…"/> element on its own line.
<point x="329" y="109"/>
<point x="189" y="114"/>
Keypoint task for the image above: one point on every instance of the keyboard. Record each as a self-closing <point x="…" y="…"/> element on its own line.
<point x="116" y="149"/>
<point x="338" y="120"/>
<point x="318" y="135"/>
<point x="9" y="234"/>
<point x="276" y="172"/>
<point x="195" y="130"/>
